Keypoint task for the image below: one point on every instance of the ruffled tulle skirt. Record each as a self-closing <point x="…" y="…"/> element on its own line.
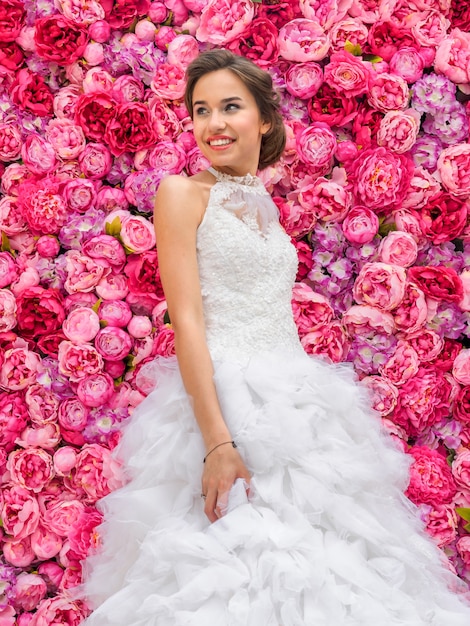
<point x="326" y="538"/>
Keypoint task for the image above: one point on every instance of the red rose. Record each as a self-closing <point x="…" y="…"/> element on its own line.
<point x="366" y="125"/>
<point x="143" y="273"/>
<point x="279" y="12"/>
<point x="30" y="93"/>
<point x="258" y="42"/>
<point x="385" y="38"/>
<point x="59" y="40"/>
<point x="11" y="55"/>
<point x="12" y="17"/>
<point x="460" y="15"/>
<point x="39" y="311"/>
<point x="49" y="344"/>
<point x="440" y="282"/>
<point x="132" y="128"/>
<point x="122" y="13"/>
<point x="330" y="106"/>
<point x="446" y="357"/>
<point x="443" y="218"/>
<point x="92" y="112"/>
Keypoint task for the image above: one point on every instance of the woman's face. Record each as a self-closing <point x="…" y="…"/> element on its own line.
<point x="227" y="123"/>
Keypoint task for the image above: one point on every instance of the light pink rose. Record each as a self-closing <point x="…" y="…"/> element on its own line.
<point x="168" y="81"/>
<point x="383" y="392"/>
<point x="302" y="40"/>
<point x="430" y="28"/>
<point x="112" y="287"/>
<point x="407" y="221"/>
<point x="398" y="130"/>
<point x="423" y="188"/>
<point x="10" y="142"/>
<point x="137" y="234"/>
<point x="360" y="225"/>
<point x="73" y="415"/>
<point x="407" y="63"/>
<point x="461" y="470"/>
<point x="398" y="248"/>
<point x="349" y="29"/>
<point x="463" y="547"/>
<point x="19" y="511"/>
<point x="362" y="318"/>
<point x="110" y="199"/>
<point x="403" y="364"/>
<point x="140" y="326"/>
<point x="78" y="361"/>
<point x="114" y="344"/>
<point x="38" y="155"/>
<point x="93" y="55"/>
<point x="347" y="74"/>
<point x="64" y="461"/>
<point x="42" y="403"/>
<point x="47" y="246"/>
<point x="303" y="80"/>
<point x="164" y="344"/>
<point x="82" y="325"/>
<point x="380" y="285"/>
<point x="95" y="389"/>
<point x="145" y="30"/>
<point x="19" y="369"/>
<point x="441" y="522"/>
<point x="7" y="310"/>
<point x="58" y="610"/>
<point x="453" y="57"/>
<point x="461" y="367"/>
<point x="96" y="472"/>
<point x="297" y="220"/>
<point x="426" y="343"/>
<point x="388" y="92"/>
<point x="329" y="340"/>
<point x="453" y="166"/>
<point x="80" y="194"/>
<point x="83" y="272"/>
<point x="65" y="100"/>
<point x="97" y="80"/>
<point x="224" y="20"/>
<point x="316" y="146"/>
<point x="95" y="161"/>
<point x="66" y="138"/>
<point x="127" y="88"/>
<point x="11" y="219"/>
<point x="18" y="552"/>
<point x="182" y="50"/>
<point x="329" y="198"/>
<point x="29" y="590"/>
<point x="311" y="310"/>
<point x="115" y="313"/>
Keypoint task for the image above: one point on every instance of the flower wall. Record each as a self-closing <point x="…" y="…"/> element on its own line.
<point x="374" y="189"/>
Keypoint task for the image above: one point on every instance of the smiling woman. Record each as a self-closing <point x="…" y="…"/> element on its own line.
<point x="303" y="490"/>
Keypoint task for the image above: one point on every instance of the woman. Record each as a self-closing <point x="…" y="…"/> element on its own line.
<point x="304" y="491"/>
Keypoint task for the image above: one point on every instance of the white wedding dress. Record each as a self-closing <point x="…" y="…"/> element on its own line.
<point x="326" y="537"/>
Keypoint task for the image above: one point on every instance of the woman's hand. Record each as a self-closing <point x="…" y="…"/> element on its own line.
<point x="222" y="468"/>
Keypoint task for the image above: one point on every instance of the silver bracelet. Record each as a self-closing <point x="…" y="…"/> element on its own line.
<point x="234" y="445"/>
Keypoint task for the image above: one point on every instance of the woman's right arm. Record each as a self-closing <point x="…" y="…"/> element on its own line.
<point x="179" y="208"/>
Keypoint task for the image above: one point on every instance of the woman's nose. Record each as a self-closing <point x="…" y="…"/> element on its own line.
<point x="216" y="121"/>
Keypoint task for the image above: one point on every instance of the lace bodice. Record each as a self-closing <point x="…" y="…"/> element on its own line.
<point x="247" y="267"/>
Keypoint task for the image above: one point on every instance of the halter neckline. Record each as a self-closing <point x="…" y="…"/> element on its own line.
<point x="248" y="179"/>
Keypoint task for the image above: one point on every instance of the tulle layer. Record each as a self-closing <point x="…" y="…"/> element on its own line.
<point x="325" y="538"/>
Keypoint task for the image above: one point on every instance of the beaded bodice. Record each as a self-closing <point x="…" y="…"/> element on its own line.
<point x="247" y="267"/>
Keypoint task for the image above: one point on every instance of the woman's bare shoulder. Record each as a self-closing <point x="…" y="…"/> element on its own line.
<point x="182" y="193"/>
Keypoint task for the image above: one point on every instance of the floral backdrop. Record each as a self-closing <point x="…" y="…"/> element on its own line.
<point x="374" y="188"/>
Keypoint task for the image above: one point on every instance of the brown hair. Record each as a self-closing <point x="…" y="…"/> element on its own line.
<point x="260" y="85"/>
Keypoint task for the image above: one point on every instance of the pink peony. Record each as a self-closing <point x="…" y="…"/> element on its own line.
<point x="58" y="610"/>
<point x="453" y="166"/>
<point x="328" y="198"/>
<point x="329" y="340"/>
<point x="73" y="415"/>
<point x="84" y="538"/>
<point x="29" y="590"/>
<point x="114" y="344"/>
<point x="407" y="63"/>
<point x="96" y="472"/>
<point x="461" y="470"/>
<point x="398" y="130"/>
<point x="316" y="146"/>
<point x="182" y="50"/>
<point x="311" y="310"/>
<point x="10" y="142"/>
<point x="164" y="342"/>
<point x="168" y="81"/>
<point x="403" y="364"/>
<point x="224" y="20"/>
<point x="78" y="361"/>
<point x="348" y="30"/>
<point x="19" y="511"/>
<point x="363" y="318"/>
<point x="18" y="552"/>
<point x="64" y="461"/>
<point x="95" y="161"/>
<point x="437" y="282"/>
<point x="296" y="219"/>
<point x="20" y="368"/>
<point x="66" y="138"/>
<point x="384" y="394"/>
<point x="303" y="80"/>
<point x="461" y="367"/>
<point x="381" y="285"/>
<point x="7" y="310"/>
<point x="137" y="234"/>
<point x="42" y="404"/>
<point x="303" y="40"/>
<point x="80" y="194"/>
<point x="398" y="248"/>
<point x="441" y="523"/>
<point x="388" y="92"/>
<point x="95" y="389"/>
<point x="426" y="343"/>
<point x="82" y="325"/>
<point x="431" y="480"/>
<point x="347" y="74"/>
<point x="360" y="225"/>
<point x="83" y="272"/>
<point x="453" y="57"/>
<point x="115" y="313"/>
<point x="140" y="326"/>
<point x="42" y="206"/>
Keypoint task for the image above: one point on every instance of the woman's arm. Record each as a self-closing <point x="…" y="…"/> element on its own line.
<point x="179" y="208"/>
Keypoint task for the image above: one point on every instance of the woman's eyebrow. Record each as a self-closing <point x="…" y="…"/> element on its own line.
<point x="224" y="100"/>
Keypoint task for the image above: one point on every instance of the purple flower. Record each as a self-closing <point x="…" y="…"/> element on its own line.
<point x="80" y="227"/>
<point x="448" y="321"/>
<point x="121" y="168"/>
<point x="450" y="125"/>
<point x="426" y="151"/>
<point x="102" y="423"/>
<point x="144" y="186"/>
<point x="443" y="254"/>
<point x="368" y="352"/>
<point x="7" y="583"/>
<point x="52" y="272"/>
<point x="433" y="94"/>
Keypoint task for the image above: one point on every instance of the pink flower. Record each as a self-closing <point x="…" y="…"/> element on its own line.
<point x="297" y="220"/>
<point x="423" y="188"/>
<point x="303" y="80"/>
<point x="461" y="367"/>
<point x="380" y="285"/>
<point x="303" y="40"/>
<point x="360" y="225"/>
<point x="95" y="161"/>
<point x="453" y="57"/>
<point x="18" y="552"/>
<point x="46" y="437"/>
<point x="84" y="538"/>
<point x="182" y="50"/>
<point x="42" y="206"/>
<point x="168" y="81"/>
<point x="19" y="512"/>
<point x="463" y="547"/>
<point x="78" y="361"/>
<point x="140" y="326"/>
<point x="441" y="522"/>
<point x="114" y="344"/>
<point x="58" y="610"/>
<point x="348" y="29"/>
<point x="362" y="319"/>
<point x="29" y="590"/>
<point x="115" y="313"/>
<point x="47" y="246"/>
<point x="7" y="310"/>
<point x="164" y="342"/>
<point x="380" y="178"/>
<point x="8" y="269"/>
<point x="96" y="472"/>
<point x="126" y="88"/>
<point x="11" y="220"/>
<point x="20" y="367"/>
<point x="80" y="194"/>
<point x="38" y="155"/>
<point x="316" y="146"/>
<point x="453" y="166"/>
<point x="347" y="74"/>
<point x="167" y="156"/>
<point x="311" y="310"/>
<point x="329" y="199"/>
<point x="407" y="63"/>
<point x="224" y="20"/>
<point x="66" y="138"/>
<point x="83" y="272"/>
<point x="461" y="470"/>
<point x="95" y="389"/>
<point x="430" y="28"/>
<point x="64" y="461"/>
<point x="42" y="404"/>
<point x="437" y="282"/>
<point x="112" y="287"/>
<point x="384" y="394"/>
<point x="426" y="343"/>
<point x="431" y="481"/>
<point x="388" y="92"/>
<point x="10" y="142"/>
<point x="73" y="415"/>
<point x="398" y="248"/>
<point x="329" y="340"/>
<point x="82" y="325"/>
<point x="398" y="130"/>
<point x="137" y="234"/>
<point x="403" y="364"/>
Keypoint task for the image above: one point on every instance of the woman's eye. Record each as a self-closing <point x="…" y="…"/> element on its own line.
<point x="201" y="110"/>
<point x="232" y="107"/>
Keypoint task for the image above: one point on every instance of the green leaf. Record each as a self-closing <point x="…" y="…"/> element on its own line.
<point x="372" y="58"/>
<point x="5" y="243"/>
<point x="386" y="228"/>
<point x="103" y="323"/>
<point x="96" y="306"/>
<point x="464" y="513"/>
<point x="166" y="318"/>
<point x="113" y="228"/>
<point x="353" y="48"/>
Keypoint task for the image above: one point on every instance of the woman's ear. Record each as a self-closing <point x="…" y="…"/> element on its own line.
<point x="265" y="127"/>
